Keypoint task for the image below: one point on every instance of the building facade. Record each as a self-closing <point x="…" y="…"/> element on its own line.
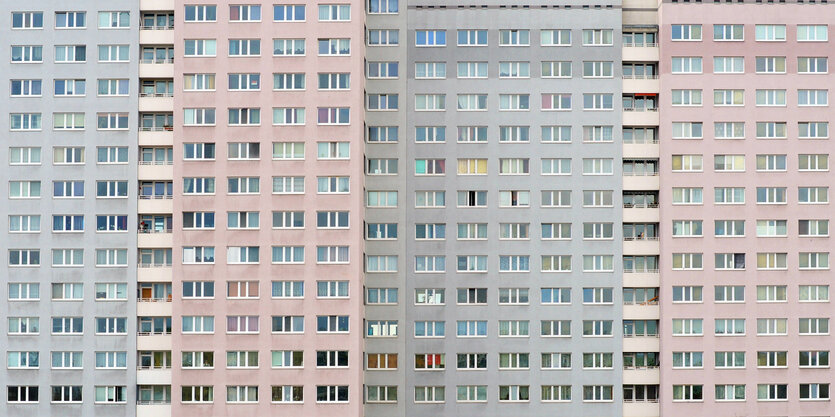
<point x="745" y="259"/>
<point x="69" y="208"/>
<point x="393" y="208"/>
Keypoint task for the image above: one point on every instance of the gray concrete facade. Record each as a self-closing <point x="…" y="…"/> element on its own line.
<point x="47" y="307"/>
<point x="494" y="16"/>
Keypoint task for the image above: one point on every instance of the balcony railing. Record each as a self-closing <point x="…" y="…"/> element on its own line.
<point x="153" y="333"/>
<point x="640" y="77"/>
<point x="645" y="400"/>
<point x="142" y="27"/>
<point x="153" y="230"/>
<point x="635" y="174"/>
<point x="156" y="94"/>
<point x="630" y="336"/>
<point x="641" y="141"/>
<point x="640" y="271"/>
<point x="639" y="238"/>
<point x="152" y="367"/>
<point x="641" y="109"/>
<point x="652" y="302"/>
<point x="640" y="205"/>
<point x="154" y="265"/>
<point x="156" y="128"/>
<point x="156" y="197"/>
<point x="156" y="162"/>
<point x="155" y="299"/>
<point x="153" y="402"/>
<point x="157" y="60"/>
<point x="640" y="44"/>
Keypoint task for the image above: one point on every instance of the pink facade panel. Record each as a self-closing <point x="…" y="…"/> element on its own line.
<point x="282" y="161"/>
<point x="765" y="163"/>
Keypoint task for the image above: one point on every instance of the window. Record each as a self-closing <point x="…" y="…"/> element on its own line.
<point x="728" y="327"/>
<point x="107" y="53"/>
<point x="24" y="257"/>
<point x="514" y="37"/>
<point x="812" y="65"/>
<point x="385" y="70"/>
<point x="728" y="65"/>
<point x="25" y="88"/>
<point x="556" y="198"/>
<point x="201" y="47"/>
<point x="28" y="54"/>
<point x="813" y="326"/>
<point x="597" y="37"/>
<point x="288" y="13"/>
<point x="774" y="33"/>
<point x="471" y="328"/>
<point x="111" y="394"/>
<point x="598" y="101"/>
<point x="771" y="64"/>
<point x="110" y="325"/>
<point x="814" y="359"/>
<point x="288" y="47"/>
<point x="687" y="32"/>
<point x="687" y="360"/>
<point x="244" y="13"/>
<point x="687" y="65"/>
<point x="599" y="198"/>
<point x="766" y="327"/>
<point x="597" y="393"/>
<point x="687" y="327"/>
<point x="24" y="292"/>
<point x="813" y="195"/>
<point x="556" y="69"/>
<point x="27" y="20"/>
<point x="241" y="394"/>
<point x="729" y="97"/>
<point x="66" y="393"/>
<point x="25" y="121"/>
<point x="771" y="359"/>
<point x="335" y="12"/>
<point x="772" y="392"/>
<point x="334" y="47"/>
<point x="243" y="185"/>
<point x="472" y="37"/>
<point x="114" y="20"/>
<point x="772" y="162"/>
<point x="201" y="13"/>
<point x="595" y="328"/>
<point x="814" y="392"/>
<point x="687" y="97"/>
<point x="383" y="37"/>
<point x="771" y="97"/>
<point x="727" y="32"/>
<point x="812" y="33"/>
<point x="813" y="130"/>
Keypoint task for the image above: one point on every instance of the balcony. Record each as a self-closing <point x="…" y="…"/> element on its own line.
<point x="156" y="102"/>
<point x="154" y="5"/>
<point x="640" y="51"/>
<point x="641" y="344"/>
<point x="641" y="181"/>
<point x="641" y="312"/>
<point x="640" y="117"/>
<point x="641" y="213"/>
<point x="154" y="68"/>
<point x="156" y="34"/>
<point x="156" y="137"/>
<point x="642" y="278"/>
<point x="153" y="410"/>
<point x="649" y="149"/>
<point x="647" y="245"/>
<point x="641" y="409"/>
<point x="643" y="83"/>
<point x="153" y="342"/>
<point x="152" y="375"/>
<point x="155" y="170"/>
<point x="153" y="308"/>
<point x="154" y="273"/>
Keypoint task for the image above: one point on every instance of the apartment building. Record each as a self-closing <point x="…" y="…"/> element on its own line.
<point x="69" y="208"/>
<point x="745" y="259"/>
<point x="395" y="208"/>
